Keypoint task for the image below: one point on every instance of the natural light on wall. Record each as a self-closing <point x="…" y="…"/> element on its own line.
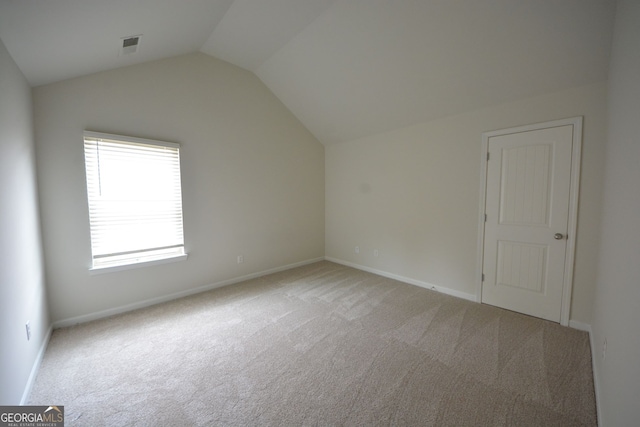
<point x="135" y="199"/>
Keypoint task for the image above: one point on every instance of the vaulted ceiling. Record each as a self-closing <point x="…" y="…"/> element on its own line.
<point x="346" y="68"/>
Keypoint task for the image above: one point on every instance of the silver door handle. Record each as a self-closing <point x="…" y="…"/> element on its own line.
<point x="558" y="236"/>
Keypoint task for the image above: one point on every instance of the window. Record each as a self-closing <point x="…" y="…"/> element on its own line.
<point x="135" y="199"/>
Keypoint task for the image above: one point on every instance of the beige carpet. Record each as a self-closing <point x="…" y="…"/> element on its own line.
<point x="322" y="344"/>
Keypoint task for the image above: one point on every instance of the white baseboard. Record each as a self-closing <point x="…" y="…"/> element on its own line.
<point x="153" y="301"/>
<point x="441" y="289"/>
<point x="36" y="367"/>
<point x="580" y="326"/>
<point x="594" y="353"/>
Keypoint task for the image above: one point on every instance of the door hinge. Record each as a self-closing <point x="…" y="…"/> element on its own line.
<point x="485" y="217"/>
<point x="488" y="155"/>
<point x="483" y="277"/>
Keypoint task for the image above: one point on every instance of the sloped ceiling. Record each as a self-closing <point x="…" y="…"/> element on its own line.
<point x="346" y="68"/>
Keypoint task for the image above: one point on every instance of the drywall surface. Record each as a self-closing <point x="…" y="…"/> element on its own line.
<point x="413" y="194"/>
<point x="617" y="304"/>
<point x="252" y="177"/>
<point x="362" y="68"/>
<point x="22" y="288"/>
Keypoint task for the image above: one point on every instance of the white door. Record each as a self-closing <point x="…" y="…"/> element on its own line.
<point x="527" y="207"/>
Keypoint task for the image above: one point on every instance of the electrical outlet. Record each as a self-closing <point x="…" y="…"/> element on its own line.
<point x="240" y="259"/>
<point x="604" y="349"/>
<point x="28" y="328"/>
<point x="357" y="249"/>
<point x="375" y="253"/>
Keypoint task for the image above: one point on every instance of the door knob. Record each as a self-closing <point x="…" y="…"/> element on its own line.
<point x="558" y="236"/>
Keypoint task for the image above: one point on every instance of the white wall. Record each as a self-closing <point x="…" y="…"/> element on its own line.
<point x="22" y="287"/>
<point x="252" y="175"/>
<point x="617" y="303"/>
<point x="413" y="193"/>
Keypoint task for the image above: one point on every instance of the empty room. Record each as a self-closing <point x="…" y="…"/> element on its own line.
<point x="320" y="212"/>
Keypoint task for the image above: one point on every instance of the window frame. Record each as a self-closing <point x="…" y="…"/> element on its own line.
<point x="132" y="262"/>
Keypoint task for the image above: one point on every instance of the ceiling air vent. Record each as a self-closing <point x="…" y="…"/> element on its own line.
<point x="130" y="44"/>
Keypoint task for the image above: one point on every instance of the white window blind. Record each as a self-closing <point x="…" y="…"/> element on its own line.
<point x="135" y="199"/>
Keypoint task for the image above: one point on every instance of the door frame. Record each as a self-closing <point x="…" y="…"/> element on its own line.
<point x="572" y="224"/>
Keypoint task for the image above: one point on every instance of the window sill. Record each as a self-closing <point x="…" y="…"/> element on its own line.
<point x="122" y="267"/>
